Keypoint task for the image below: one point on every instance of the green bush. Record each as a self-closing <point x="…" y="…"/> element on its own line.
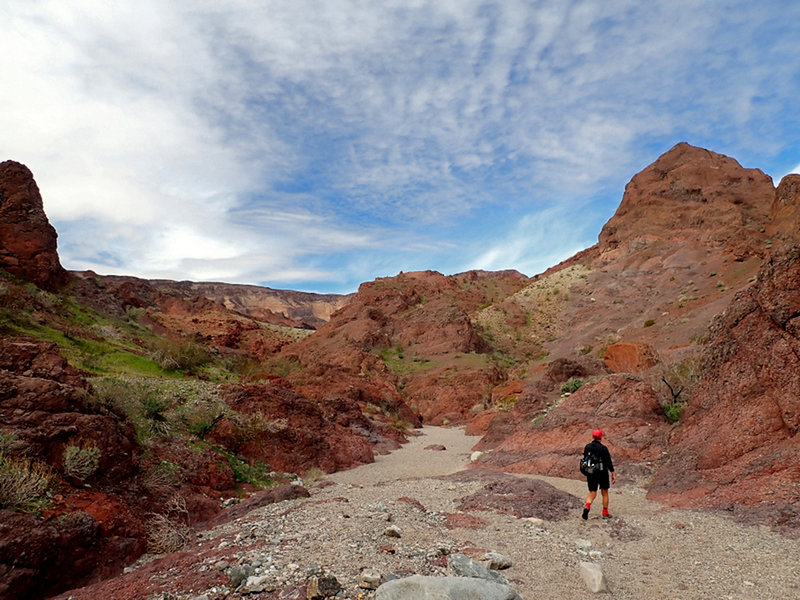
<point x="649" y="322"/>
<point x="81" y="462"/>
<point x="571" y="386"/>
<point x="673" y="412"/>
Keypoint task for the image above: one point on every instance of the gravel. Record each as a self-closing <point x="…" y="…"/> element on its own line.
<point x="645" y="551"/>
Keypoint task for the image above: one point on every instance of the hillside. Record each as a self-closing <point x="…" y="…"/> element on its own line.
<point x="130" y="408"/>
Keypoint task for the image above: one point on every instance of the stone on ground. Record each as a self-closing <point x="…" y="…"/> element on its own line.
<point x="419" y="587"/>
<point x="594" y="577"/>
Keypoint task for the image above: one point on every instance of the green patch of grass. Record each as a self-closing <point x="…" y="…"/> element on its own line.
<point x="571" y="386"/>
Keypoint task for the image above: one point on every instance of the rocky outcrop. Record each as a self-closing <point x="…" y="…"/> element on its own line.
<point x="738" y="438"/>
<point x="696" y="190"/>
<point x="625" y="357"/>
<point x="785" y="210"/>
<point x="294" y="434"/>
<point x="280" y="307"/>
<point x="549" y="439"/>
<point x="45" y="409"/>
<point x="411" y="339"/>
<point x="27" y="240"/>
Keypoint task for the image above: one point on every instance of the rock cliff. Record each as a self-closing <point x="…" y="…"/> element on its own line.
<point x="27" y="240"/>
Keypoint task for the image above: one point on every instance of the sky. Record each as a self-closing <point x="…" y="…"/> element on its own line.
<point x="315" y="145"/>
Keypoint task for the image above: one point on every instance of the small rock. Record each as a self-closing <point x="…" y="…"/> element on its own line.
<point x="437" y="447"/>
<point x="221" y="565"/>
<point x="583" y="545"/>
<point x="256" y="585"/>
<point x="497" y="561"/>
<point x="237" y="575"/>
<point x="593" y="577"/>
<point x="460" y="565"/>
<point x="369" y="579"/>
<point x="393" y="531"/>
<point x="475" y="455"/>
<point x="322" y="587"/>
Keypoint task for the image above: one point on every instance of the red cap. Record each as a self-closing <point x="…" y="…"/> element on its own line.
<point x="597" y="434"/>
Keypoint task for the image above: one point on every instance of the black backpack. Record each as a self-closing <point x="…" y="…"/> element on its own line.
<point x="591" y="464"/>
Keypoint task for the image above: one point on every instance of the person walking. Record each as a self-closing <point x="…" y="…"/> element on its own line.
<point x="600" y="478"/>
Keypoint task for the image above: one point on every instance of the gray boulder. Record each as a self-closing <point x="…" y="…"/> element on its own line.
<point x="420" y="587"/>
<point x="460" y="565"/>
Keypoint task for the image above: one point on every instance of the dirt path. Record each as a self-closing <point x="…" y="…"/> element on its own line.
<point x="646" y="551"/>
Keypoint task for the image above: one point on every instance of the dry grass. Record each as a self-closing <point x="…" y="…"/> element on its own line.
<point x="168" y="531"/>
<point x="23" y="482"/>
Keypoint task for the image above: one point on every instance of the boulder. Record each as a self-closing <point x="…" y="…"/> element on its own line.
<point x="460" y="565"/>
<point x="419" y="587"/>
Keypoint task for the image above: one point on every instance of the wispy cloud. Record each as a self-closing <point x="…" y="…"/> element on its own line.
<point x="321" y="144"/>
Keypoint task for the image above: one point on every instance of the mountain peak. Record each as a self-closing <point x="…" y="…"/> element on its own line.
<point x="694" y="193"/>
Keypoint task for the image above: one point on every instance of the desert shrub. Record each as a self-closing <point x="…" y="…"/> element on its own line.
<point x="163" y="476"/>
<point x="571" y="386"/>
<point x="674" y="384"/>
<point x="673" y="411"/>
<point x="81" y="462"/>
<point x="183" y="354"/>
<point x="649" y="322"/>
<point x="507" y="403"/>
<point x="168" y="531"/>
<point x="257" y="474"/>
<point x="24" y="482"/>
<point x="143" y="405"/>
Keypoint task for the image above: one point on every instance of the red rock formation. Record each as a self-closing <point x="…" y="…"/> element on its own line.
<point x="785" y="210"/>
<point x="44" y="404"/>
<point x="295" y="434"/>
<point x="693" y="190"/>
<point x="420" y="320"/>
<point x="624" y="406"/>
<point x="629" y="358"/>
<point x="27" y="240"/>
<point x="738" y="439"/>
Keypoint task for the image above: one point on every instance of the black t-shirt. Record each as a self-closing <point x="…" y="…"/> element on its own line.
<point x="599" y="450"/>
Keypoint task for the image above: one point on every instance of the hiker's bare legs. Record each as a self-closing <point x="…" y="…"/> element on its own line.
<point x="604" y="493"/>
<point x="590" y="498"/>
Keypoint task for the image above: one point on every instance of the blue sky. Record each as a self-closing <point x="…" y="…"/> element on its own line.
<point x="313" y="145"/>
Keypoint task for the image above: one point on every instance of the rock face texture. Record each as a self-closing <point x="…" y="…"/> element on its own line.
<point x="785" y="210"/>
<point x="27" y="240"/>
<point x="738" y="441"/>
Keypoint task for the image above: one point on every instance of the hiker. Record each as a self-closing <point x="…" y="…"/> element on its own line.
<point x="600" y="477"/>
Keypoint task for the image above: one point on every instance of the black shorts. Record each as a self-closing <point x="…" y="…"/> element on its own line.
<point x="598" y="480"/>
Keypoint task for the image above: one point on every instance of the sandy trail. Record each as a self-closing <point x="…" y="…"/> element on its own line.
<point x="646" y="551"/>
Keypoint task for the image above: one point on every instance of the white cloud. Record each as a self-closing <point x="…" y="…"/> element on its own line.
<point x="264" y="139"/>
